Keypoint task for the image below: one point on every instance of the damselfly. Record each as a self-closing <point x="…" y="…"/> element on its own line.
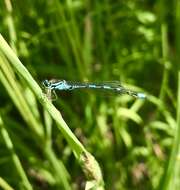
<point x="63" y="85"/>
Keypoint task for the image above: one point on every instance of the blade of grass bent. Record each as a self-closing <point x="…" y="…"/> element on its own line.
<point x="74" y="143"/>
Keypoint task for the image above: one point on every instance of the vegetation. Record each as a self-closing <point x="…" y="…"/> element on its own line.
<point x="84" y="140"/>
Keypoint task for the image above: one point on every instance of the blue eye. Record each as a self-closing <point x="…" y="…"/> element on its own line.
<point x="46" y="83"/>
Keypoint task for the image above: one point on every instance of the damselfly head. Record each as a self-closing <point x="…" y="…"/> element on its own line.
<point x="46" y="83"/>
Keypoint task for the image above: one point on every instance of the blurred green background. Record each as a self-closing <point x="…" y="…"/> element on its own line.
<point x="134" y="141"/>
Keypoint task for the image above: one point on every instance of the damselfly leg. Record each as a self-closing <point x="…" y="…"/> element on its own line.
<point x="50" y="93"/>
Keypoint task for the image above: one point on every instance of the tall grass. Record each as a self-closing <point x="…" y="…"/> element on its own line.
<point x="117" y="142"/>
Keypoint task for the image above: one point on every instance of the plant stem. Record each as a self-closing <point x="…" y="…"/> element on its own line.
<point x="14" y="156"/>
<point x="77" y="148"/>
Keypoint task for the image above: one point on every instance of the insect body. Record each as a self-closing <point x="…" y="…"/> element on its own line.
<point x="63" y="85"/>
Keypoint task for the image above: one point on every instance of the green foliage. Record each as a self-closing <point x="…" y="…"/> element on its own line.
<point x="135" y="142"/>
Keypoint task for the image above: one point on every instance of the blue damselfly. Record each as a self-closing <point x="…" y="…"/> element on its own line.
<point x="63" y="85"/>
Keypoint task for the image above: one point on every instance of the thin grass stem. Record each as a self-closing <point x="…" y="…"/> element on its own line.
<point x="14" y="156"/>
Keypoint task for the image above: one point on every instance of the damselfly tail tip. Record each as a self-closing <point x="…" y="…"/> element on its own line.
<point x="141" y="95"/>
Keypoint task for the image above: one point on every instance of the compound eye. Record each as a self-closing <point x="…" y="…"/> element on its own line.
<point x="46" y="83"/>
